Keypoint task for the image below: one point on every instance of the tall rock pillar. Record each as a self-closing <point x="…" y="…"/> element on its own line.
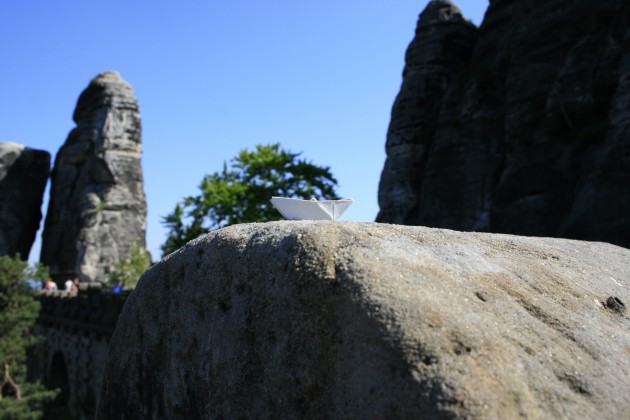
<point x="532" y="137"/>
<point x="439" y="51"/>
<point x="97" y="210"/>
<point x="23" y="177"/>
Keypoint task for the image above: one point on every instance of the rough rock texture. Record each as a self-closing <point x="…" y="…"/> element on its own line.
<point x="23" y="177"/>
<point x="440" y="49"/>
<point x="97" y="209"/>
<point x="75" y="330"/>
<point x="533" y="136"/>
<point x="366" y="320"/>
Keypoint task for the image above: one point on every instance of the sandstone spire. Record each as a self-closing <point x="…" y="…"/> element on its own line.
<point x="23" y="177"/>
<point x="439" y="51"/>
<point x="531" y="137"/>
<point x="97" y="209"/>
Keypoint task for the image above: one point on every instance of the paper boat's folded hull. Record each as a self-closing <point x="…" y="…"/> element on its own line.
<point x="296" y="209"/>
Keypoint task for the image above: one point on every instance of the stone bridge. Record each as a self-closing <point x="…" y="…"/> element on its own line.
<point x="76" y="329"/>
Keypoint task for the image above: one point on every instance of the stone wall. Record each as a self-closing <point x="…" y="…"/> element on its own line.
<point x="76" y="329"/>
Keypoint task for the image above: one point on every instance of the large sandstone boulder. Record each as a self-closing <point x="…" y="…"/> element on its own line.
<point x="366" y="320"/>
<point x="532" y="136"/>
<point x="23" y="177"/>
<point x="97" y="210"/>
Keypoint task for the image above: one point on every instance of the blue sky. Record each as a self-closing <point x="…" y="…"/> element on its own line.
<point x="214" y="77"/>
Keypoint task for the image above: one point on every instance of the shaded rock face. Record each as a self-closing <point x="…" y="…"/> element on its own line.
<point x="23" y="177"/>
<point x="440" y="49"/>
<point x="97" y="209"/>
<point x="533" y="134"/>
<point x="366" y="320"/>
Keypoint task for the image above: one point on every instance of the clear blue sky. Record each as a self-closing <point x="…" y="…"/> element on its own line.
<point x="214" y="77"/>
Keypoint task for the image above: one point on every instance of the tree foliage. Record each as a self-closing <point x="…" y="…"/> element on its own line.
<point x="241" y="192"/>
<point x="127" y="272"/>
<point x="19" y="399"/>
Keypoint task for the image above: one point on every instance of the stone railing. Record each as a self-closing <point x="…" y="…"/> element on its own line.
<point x="93" y="311"/>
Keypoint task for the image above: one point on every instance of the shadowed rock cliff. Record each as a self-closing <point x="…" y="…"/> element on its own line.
<point x="533" y="135"/>
<point x="366" y="320"/>
<point x="440" y="49"/>
<point x="97" y="208"/>
<point x="23" y="177"/>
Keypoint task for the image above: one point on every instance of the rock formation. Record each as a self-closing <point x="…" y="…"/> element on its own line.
<point x="23" y="177"/>
<point x="97" y="209"/>
<point x="366" y="320"/>
<point x="532" y="135"/>
<point x="440" y="49"/>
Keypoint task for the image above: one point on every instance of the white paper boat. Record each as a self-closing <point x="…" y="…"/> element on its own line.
<point x="296" y="209"/>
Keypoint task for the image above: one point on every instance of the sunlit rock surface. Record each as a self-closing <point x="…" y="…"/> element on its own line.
<point x="97" y="209"/>
<point x="365" y="320"/>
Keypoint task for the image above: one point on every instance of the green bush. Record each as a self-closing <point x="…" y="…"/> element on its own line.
<point x="127" y="272"/>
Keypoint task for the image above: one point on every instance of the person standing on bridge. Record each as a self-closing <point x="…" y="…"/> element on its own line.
<point x="75" y="285"/>
<point x="51" y="286"/>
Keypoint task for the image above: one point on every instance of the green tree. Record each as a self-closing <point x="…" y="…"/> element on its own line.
<point x="241" y="193"/>
<point x="127" y="272"/>
<point x="19" y="399"/>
